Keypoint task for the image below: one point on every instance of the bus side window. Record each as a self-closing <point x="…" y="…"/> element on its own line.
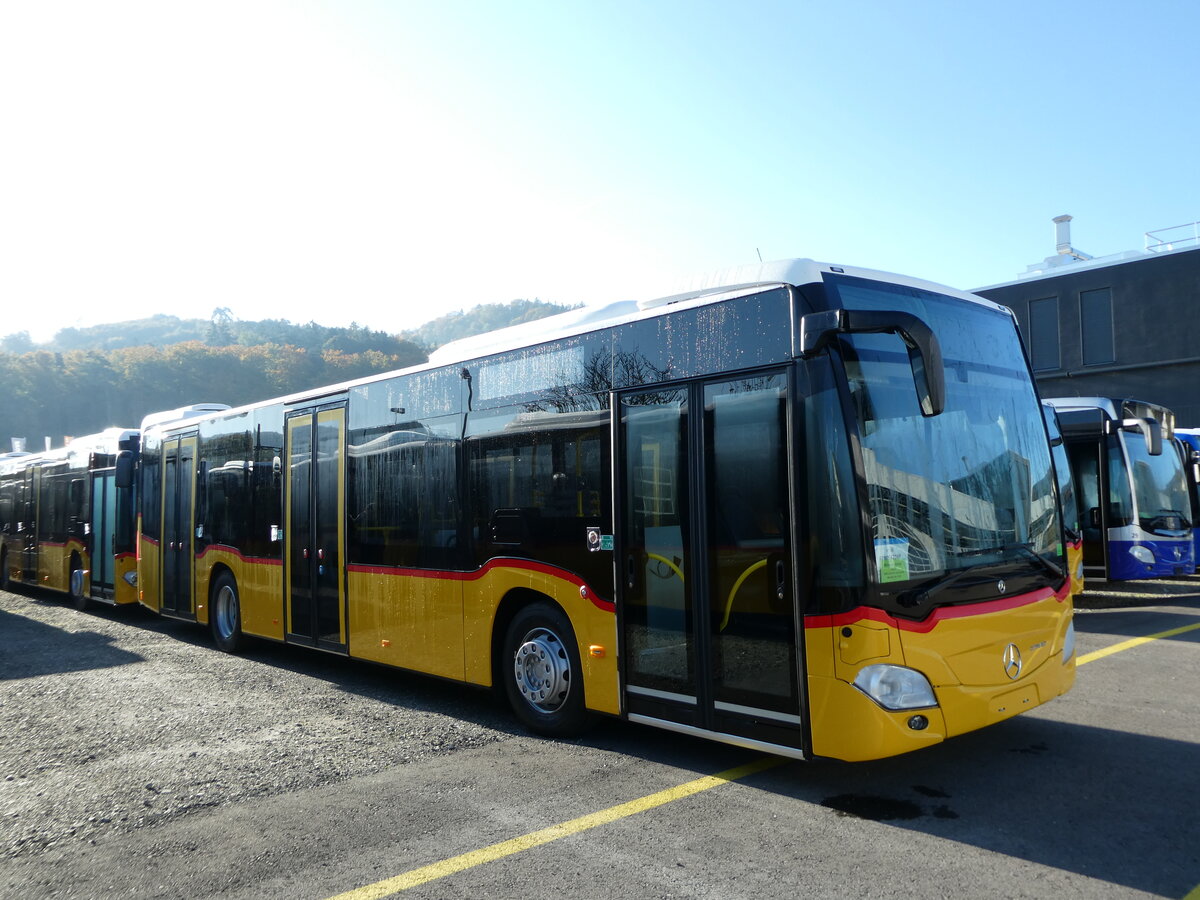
<point x="78" y="506"/>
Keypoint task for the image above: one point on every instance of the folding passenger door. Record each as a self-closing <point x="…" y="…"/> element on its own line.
<point x="707" y="604"/>
<point x="31" y="521"/>
<point x="315" y="533"/>
<point x="178" y="525"/>
<point x="103" y="530"/>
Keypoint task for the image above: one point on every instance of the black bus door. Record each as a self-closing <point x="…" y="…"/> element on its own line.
<point x="1090" y="469"/>
<point x="103" y="524"/>
<point x="31" y="521"/>
<point x="178" y="525"/>
<point x="315" y="535"/>
<point x="707" y="603"/>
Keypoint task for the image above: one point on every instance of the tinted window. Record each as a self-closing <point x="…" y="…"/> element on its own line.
<point x="1095" y="316"/>
<point x="538" y="482"/>
<point x="403" y="504"/>
<point x="151" y="489"/>
<point x="1043" y="333"/>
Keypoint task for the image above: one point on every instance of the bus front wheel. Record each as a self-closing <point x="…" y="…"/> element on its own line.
<point x="225" y="614"/>
<point x="542" y="674"/>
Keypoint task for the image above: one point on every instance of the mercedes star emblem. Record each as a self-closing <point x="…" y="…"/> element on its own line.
<point x="1012" y="662"/>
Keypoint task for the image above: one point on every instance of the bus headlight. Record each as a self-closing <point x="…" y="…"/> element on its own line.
<point x="1142" y="554"/>
<point x="895" y="687"/>
<point x="1069" y="642"/>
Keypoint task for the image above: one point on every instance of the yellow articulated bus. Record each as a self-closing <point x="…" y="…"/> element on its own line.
<point x="67" y="521"/>
<point x="805" y="509"/>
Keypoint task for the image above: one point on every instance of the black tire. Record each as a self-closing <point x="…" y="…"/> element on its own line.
<point x="225" y="614"/>
<point x="79" y="599"/>
<point x="542" y="675"/>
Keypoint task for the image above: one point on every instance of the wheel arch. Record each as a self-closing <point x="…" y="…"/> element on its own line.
<point x="216" y="572"/>
<point x="510" y="604"/>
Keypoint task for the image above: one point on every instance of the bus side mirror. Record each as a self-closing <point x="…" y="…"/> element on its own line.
<point x="1150" y="430"/>
<point x="124" y="474"/>
<point x="818" y="330"/>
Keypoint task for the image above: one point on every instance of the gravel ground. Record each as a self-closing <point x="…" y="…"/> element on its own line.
<point x="124" y="720"/>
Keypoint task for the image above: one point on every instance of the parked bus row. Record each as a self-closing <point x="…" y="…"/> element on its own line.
<point x="65" y="524"/>
<point x="1136" y="483"/>
<point x="805" y="509"/>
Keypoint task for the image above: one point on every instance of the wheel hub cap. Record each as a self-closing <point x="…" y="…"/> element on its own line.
<point x="543" y="670"/>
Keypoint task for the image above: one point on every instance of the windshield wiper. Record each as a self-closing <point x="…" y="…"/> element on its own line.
<point x="1032" y="556"/>
<point x="919" y="596"/>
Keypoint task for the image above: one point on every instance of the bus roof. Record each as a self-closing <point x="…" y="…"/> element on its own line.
<point x="182" y="414"/>
<point x="725" y="284"/>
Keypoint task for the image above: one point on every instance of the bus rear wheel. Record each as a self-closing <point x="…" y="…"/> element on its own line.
<point x="75" y="584"/>
<point x="542" y="675"/>
<point x="225" y="614"/>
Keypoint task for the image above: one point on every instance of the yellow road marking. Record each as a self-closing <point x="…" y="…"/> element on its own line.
<point x="1130" y="644"/>
<point x="454" y="864"/>
<point x="469" y="860"/>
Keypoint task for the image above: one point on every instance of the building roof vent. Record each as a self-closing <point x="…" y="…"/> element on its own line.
<point x="1062" y="239"/>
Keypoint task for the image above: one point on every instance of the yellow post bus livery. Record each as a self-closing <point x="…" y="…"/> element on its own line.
<point x="803" y="508"/>
<point x="66" y="519"/>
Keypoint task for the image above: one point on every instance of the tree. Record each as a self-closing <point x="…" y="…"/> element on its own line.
<point x="220" y="330"/>
<point x="18" y="342"/>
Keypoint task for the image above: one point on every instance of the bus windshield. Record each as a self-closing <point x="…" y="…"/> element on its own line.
<point x="966" y="489"/>
<point x="1159" y="488"/>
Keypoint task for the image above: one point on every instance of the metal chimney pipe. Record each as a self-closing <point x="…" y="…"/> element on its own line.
<point x="1062" y="235"/>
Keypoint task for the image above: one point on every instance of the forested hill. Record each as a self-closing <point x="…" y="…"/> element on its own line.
<point x="87" y="379"/>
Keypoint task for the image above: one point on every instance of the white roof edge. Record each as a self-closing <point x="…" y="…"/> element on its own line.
<point x="106" y="440"/>
<point x="1100" y="262"/>
<point x="723" y="284"/>
<point x="182" y="414"/>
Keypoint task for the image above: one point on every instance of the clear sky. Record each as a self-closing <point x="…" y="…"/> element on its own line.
<point x="388" y="162"/>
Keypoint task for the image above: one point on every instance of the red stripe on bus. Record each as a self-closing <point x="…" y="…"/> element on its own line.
<point x="941" y="614"/>
<point x="225" y="548"/>
<point x="525" y="564"/>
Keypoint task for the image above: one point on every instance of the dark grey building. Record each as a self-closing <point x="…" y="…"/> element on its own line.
<point x="1119" y="326"/>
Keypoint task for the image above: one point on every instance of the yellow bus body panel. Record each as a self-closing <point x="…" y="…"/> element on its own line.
<point x="123" y="591"/>
<point x="149" y="565"/>
<point x="593" y="620"/>
<point x="259" y="586"/>
<point x="1075" y="567"/>
<point x="54" y="565"/>
<point x="441" y="623"/>
<point x="410" y="621"/>
<point x="959" y="649"/>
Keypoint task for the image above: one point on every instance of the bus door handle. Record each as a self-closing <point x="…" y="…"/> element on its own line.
<point x="630" y="578"/>
<point x="780" y="579"/>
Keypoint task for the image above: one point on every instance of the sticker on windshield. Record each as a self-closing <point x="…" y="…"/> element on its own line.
<point x="891" y="559"/>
